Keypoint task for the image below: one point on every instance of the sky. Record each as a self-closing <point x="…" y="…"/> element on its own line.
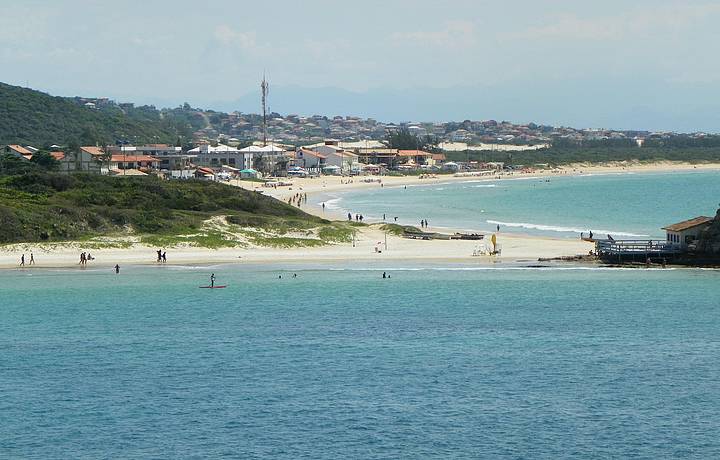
<point x="613" y="64"/>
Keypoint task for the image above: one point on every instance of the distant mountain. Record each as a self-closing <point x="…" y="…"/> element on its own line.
<point x="32" y="117"/>
<point x="623" y="104"/>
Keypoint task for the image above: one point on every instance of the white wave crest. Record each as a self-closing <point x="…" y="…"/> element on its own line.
<point x="552" y="228"/>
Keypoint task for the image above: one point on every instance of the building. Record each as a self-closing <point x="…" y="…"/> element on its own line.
<point x="310" y="160"/>
<point x="169" y="156"/>
<point x="337" y="156"/>
<point x="219" y="155"/>
<point x="268" y="158"/>
<point x="687" y="232"/>
<point x="19" y="151"/>
<point x="88" y="159"/>
<point x="121" y="163"/>
<point x="414" y="157"/>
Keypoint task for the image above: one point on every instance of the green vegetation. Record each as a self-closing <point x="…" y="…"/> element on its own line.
<point x="33" y="117"/>
<point x="399" y="230"/>
<point x="403" y="139"/>
<point x="40" y="206"/>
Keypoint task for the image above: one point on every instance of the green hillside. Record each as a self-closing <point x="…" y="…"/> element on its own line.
<point x="40" y="206"/>
<point x="32" y="117"/>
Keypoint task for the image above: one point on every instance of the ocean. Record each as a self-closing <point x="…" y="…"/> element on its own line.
<point x="339" y="363"/>
<point x="625" y="205"/>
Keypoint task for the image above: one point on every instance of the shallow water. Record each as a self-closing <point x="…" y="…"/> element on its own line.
<point x="626" y="205"/>
<point x="512" y="363"/>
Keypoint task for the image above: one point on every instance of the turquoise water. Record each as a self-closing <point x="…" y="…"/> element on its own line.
<point x="498" y="363"/>
<point x="625" y="205"/>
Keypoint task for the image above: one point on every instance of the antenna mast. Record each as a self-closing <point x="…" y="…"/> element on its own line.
<point x="264" y="86"/>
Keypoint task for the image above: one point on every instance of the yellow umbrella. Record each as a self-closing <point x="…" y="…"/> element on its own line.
<point x="493" y="238"/>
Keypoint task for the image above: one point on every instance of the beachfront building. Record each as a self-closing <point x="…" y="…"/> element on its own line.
<point x="170" y="157"/>
<point x="269" y="158"/>
<point x="378" y="156"/>
<point x="120" y="164"/>
<point x="414" y="157"/>
<point x="337" y="156"/>
<point x="219" y="155"/>
<point x="687" y="232"/>
<point x="309" y="160"/>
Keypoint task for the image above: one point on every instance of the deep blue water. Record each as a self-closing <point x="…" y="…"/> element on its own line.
<point x="342" y="364"/>
<point x="624" y="205"/>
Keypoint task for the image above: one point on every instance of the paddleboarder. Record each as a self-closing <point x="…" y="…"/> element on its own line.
<point x="212" y="280"/>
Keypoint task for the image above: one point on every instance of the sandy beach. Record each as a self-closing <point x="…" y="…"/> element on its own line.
<point x="369" y="246"/>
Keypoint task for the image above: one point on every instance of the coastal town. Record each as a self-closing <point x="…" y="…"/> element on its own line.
<point x="237" y="128"/>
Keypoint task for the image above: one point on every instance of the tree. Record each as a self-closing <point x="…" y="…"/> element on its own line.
<point x="403" y="139"/>
<point x="44" y="160"/>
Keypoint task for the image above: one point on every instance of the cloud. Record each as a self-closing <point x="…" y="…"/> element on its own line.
<point x="632" y="23"/>
<point x="453" y="33"/>
<point x="228" y="36"/>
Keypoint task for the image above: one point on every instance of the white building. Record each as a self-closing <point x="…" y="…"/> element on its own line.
<point x="337" y="156"/>
<point x="169" y="156"/>
<point x="217" y="156"/>
<point x="269" y="158"/>
<point x="686" y="232"/>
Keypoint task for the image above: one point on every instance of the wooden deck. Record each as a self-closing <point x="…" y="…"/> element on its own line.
<point x="627" y="251"/>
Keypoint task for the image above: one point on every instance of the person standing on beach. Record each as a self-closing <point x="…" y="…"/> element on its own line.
<point x="350" y="217"/>
<point x="164" y="256"/>
<point x="498" y="228"/>
<point x="22" y="260"/>
<point x="32" y="259"/>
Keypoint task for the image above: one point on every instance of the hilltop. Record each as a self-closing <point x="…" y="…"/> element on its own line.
<point x="33" y="117"/>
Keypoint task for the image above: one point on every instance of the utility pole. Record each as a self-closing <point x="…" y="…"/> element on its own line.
<point x="264" y="87"/>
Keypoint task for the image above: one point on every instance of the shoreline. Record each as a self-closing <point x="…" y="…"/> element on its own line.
<point x="369" y="245"/>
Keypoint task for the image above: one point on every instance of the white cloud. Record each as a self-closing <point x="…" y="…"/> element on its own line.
<point x="228" y="36"/>
<point x="453" y="33"/>
<point x="631" y="23"/>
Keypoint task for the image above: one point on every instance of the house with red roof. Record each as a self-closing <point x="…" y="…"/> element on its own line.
<point x="309" y="159"/>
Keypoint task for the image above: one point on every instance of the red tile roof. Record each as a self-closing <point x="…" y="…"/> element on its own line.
<point x="58" y="155"/>
<point x="119" y="158"/>
<point x="92" y="150"/>
<point x="687" y="224"/>
<point x="20" y="149"/>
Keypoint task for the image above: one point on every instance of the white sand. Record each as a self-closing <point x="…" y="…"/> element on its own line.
<point x="514" y="247"/>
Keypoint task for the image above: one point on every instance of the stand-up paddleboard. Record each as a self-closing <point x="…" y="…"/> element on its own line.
<point x="212" y="287"/>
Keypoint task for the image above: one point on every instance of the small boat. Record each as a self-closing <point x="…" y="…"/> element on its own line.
<point x="212" y="287"/>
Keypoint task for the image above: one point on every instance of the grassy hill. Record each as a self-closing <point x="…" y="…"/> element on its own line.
<point x="41" y="206"/>
<point x="32" y="117"/>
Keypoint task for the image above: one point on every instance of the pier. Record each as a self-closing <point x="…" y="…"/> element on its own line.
<point x="628" y="251"/>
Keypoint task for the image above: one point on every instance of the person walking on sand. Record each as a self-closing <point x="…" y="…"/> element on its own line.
<point x="22" y="260"/>
<point x="498" y="228"/>
<point x="32" y="259"/>
<point x="164" y="256"/>
<point x="159" y="254"/>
